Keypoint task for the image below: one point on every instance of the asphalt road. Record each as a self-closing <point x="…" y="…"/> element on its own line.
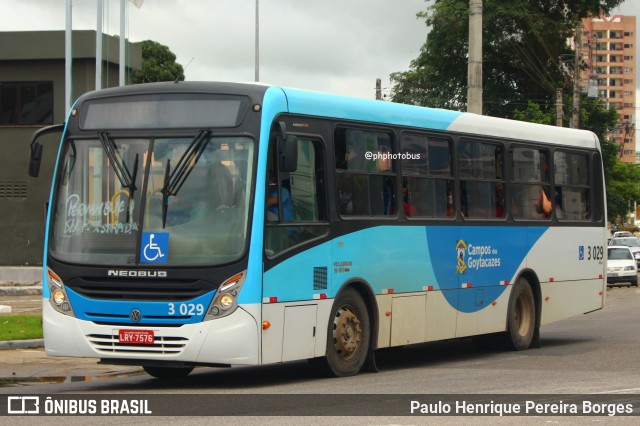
<point x="589" y="354"/>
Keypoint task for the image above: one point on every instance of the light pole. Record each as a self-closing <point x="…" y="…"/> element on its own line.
<point x="474" y="67"/>
<point x="257" y="48"/>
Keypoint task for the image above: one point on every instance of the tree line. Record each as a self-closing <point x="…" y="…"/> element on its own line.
<point x="526" y="57"/>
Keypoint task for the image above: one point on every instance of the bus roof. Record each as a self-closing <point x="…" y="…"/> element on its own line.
<point x="367" y="110"/>
<point x="326" y="105"/>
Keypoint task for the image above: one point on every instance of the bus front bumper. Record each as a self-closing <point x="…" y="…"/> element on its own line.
<point x="232" y="340"/>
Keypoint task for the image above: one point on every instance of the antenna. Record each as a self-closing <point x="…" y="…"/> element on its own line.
<point x="185" y="68"/>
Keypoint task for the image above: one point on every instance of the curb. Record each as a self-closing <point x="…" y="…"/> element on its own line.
<point x="21" y="344"/>
<point x="31" y="290"/>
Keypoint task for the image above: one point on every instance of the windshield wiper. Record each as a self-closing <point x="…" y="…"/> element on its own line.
<point x="66" y="174"/>
<point x="173" y="180"/>
<point x="118" y="165"/>
<point x="127" y="179"/>
<point x="132" y="189"/>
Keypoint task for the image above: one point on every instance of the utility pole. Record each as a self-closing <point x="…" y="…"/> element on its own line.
<point x="257" y="48"/>
<point x="575" y="118"/>
<point x="378" y="89"/>
<point x="559" y="112"/>
<point x="99" y="45"/>
<point x="474" y="79"/>
<point x="68" y="57"/>
<point x="122" y="60"/>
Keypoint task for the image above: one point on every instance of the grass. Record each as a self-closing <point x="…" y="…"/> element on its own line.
<point x="20" y="327"/>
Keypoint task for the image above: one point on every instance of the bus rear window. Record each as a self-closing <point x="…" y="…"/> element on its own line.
<point x="164" y="111"/>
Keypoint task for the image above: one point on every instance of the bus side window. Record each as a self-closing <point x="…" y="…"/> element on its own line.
<point x="365" y="173"/>
<point x="301" y="195"/>
<point x="572" y="190"/>
<point x="481" y="179"/>
<point x="530" y="184"/>
<point x="427" y="176"/>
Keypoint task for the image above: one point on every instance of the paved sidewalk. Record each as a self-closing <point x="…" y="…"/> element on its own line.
<point x="26" y="360"/>
<point x="18" y="281"/>
<point x="34" y="365"/>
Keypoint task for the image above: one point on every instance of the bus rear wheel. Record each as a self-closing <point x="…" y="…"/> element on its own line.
<point x="168" y="372"/>
<point x="348" y="335"/>
<point x="521" y="317"/>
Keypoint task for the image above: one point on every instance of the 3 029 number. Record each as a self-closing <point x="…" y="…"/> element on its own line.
<point x="185" y="309"/>
<point x="595" y="252"/>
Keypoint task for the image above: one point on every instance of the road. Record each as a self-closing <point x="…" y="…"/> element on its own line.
<point x="590" y="354"/>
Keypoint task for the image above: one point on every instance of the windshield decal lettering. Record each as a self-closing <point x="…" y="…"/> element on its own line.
<point x="82" y="217"/>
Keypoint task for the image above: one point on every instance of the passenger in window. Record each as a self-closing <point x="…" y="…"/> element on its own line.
<point x="409" y="208"/>
<point x="352" y="157"/>
<point x="543" y="204"/>
<point x="450" y="203"/>
<point x="499" y="199"/>
<point x="272" y="202"/>
<point x="559" y="205"/>
<point x="383" y="162"/>
<point x="464" y="210"/>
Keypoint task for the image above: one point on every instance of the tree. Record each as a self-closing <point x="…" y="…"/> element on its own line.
<point x="523" y="45"/>
<point x="158" y="64"/>
<point x="534" y="114"/>
<point x="622" y="180"/>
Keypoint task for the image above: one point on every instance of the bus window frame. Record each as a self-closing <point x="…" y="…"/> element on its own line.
<point x="452" y="178"/>
<point x="499" y="142"/>
<point x="589" y="186"/>
<point x="322" y="152"/>
<point x="393" y="172"/>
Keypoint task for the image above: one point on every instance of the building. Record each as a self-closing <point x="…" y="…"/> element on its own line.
<point x="32" y="95"/>
<point x="608" y="47"/>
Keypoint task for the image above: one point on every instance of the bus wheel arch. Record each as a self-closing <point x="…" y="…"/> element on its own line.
<point x="351" y="331"/>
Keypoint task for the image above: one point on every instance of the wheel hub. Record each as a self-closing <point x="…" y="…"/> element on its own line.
<point x="347" y="333"/>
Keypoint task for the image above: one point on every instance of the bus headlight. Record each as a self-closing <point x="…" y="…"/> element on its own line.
<point x="58" y="296"/>
<point x="225" y="301"/>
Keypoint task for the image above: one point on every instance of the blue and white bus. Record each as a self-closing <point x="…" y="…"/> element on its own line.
<point x="219" y="224"/>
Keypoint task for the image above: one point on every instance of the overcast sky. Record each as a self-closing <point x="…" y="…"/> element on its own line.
<point x="336" y="46"/>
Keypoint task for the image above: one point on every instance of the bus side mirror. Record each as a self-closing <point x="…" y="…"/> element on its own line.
<point x="35" y="158"/>
<point x="289" y="154"/>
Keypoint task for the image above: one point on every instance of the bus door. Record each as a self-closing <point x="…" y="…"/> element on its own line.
<point x="297" y="257"/>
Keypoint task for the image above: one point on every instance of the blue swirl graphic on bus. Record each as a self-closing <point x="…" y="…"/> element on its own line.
<point x="486" y="259"/>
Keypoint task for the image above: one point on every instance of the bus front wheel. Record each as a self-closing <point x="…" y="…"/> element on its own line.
<point x="521" y="319"/>
<point x="348" y="334"/>
<point x="168" y="372"/>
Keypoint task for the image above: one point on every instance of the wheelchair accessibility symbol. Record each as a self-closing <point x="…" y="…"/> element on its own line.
<point x="154" y="247"/>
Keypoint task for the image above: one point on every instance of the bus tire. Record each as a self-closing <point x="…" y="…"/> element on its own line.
<point x="349" y="334"/>
<point x="168" y="372"/>
<point x="521" y="316"/>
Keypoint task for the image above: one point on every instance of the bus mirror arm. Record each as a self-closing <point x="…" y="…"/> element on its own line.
<point x="35" y="156"/>
<point x="287" y="149"/>
<point x="289" y="152"/>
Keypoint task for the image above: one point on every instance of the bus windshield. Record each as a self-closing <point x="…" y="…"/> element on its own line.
<point x="112" y="207"/>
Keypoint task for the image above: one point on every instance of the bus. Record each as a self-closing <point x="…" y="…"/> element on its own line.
<point x="224" y="224"/>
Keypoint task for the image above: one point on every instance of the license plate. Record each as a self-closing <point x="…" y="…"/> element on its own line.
<point x="613" y="274"/>
<point x="136" y="337"/>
